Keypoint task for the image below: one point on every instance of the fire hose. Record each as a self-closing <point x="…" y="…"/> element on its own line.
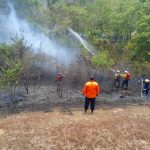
<point x="142" y="98"/>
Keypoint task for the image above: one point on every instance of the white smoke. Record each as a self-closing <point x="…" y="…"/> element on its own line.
<point x="11" y="26"/>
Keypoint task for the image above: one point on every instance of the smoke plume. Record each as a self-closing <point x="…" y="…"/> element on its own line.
<point x="11" y="26"/>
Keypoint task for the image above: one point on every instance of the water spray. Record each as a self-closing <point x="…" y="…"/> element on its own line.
<point x="142" y="90"/>
<point x="87" y="46"/>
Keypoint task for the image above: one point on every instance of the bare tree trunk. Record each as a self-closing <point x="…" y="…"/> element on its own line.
<point x="13" y="92"/>
<point x="26" y="86"/>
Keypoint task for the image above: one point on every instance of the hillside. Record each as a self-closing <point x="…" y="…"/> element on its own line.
<point x="49" y="49"/>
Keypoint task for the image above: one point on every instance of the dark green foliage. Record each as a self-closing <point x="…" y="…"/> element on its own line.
<point x="141" y="41"/>
<point x="12" y="59"/>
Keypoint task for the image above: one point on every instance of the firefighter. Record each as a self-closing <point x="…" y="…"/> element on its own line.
<point x="91" y="91"/>
<point x="59" y="77"/>
<point x="126" y="76"/>
<point x="146" y="86"/>
<point x="59" y="84"/>
<point x="117" y="78"/>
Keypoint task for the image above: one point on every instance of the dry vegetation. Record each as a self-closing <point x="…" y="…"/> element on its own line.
<point x="107" y="129"/>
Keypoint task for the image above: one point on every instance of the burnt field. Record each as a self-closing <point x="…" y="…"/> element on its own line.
<point x="44" y="97"/>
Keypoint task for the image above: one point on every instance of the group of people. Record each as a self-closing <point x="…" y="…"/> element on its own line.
<point x="91" y="88"/>
<point x="126" y="77"/>
<point x="117" y="79"/>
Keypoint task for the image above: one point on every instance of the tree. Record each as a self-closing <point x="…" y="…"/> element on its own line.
<point x="103" y="60"/>
<point x="140" y="42"/>
<point x="10" y="78"/>
<point x="10" y="69"/>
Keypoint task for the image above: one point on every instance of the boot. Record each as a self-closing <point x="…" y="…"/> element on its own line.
<point x="85" y="110"/>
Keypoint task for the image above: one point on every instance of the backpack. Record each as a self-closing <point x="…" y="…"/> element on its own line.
<point x="128" y="76"/>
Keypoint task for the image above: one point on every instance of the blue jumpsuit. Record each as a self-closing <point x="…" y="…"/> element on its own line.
<point x="146" y="88"/>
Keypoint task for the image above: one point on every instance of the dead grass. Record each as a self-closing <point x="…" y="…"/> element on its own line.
<point x="112" y="129"/>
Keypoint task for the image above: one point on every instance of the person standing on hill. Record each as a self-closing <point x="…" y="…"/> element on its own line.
<point x="91" y="90"/>
<point x="126" y="76"/>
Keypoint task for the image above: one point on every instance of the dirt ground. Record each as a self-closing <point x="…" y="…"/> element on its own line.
<point x="107" y="129"/>
<point x="43" y="121"/>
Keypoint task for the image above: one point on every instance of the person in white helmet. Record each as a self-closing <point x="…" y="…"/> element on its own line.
<point x="117" y="78"/>
<point x="146" y="86"/>
<point x="126" y="76"/>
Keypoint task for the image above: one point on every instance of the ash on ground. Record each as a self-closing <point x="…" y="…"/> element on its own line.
<point x="45" y="98"/>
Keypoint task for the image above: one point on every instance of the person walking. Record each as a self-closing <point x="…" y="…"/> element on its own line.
<point x="91" y="90"/>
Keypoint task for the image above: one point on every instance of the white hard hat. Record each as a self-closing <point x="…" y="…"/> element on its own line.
<point x="147" y="80"/>
<point x="118" y="71"/>
<point x="126" y="71"/>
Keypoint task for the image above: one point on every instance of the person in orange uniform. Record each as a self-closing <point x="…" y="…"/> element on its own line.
<point x="59" y="77"/>
<point x="126" y="77"/>
<point x="91" y="90"/>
